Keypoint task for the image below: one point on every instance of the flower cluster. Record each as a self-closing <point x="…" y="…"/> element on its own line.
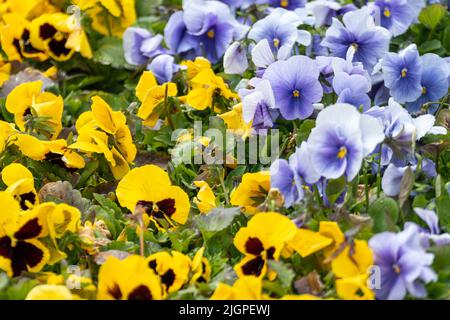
<point x="238" y="149"/>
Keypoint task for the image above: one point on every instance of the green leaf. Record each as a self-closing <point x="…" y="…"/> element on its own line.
<point x="107" y="203"/>
<point x="110" y="52"/>
<point x="430" y="46"/>
<point x="384" y="212"/>
<point x="217" y="219"/>
<point x="443" y="210"/>
<point x="304" y="130"/>
<point x="431" y="15"/>
<point x="446" y="39"/>
<point x="284" y="274"/>
<point x="334" y="189"/>
<point x="441" y="260"/>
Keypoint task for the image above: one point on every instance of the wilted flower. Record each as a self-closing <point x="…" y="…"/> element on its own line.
<point x="205" y="200"/>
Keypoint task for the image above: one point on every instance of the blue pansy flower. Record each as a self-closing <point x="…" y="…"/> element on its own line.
<point x="341" y="139"/>
<point x="402" y="73"/>
<point x="359" y="32"/>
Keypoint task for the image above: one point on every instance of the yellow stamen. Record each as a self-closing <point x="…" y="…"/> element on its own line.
<point x="396" y="268"/>
<point x="211" y="34"/>
<point x="58" y="36"/>
<point x="387" y="12"/>
<point x="404" y="71"/>
<point x="424" y="90"/>
<point x="355" y="46"/>
<point x="284" y="3"/>
<point x="342" y="152"/>
<point x="296" y="93"/>
<point x="155" y="208"/>
<point x="276" y="42"/>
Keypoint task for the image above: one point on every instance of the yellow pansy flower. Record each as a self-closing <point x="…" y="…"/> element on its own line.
<point x="205" y="200"/>
<point x="252" y="191"/>
<point x="149" y="188"/>
<point x="128" y="279"/>
<point x="172" y="268"/>
<point x="151" y="96"/>
<point x="244" y="288"/>
<point x="49" y="292"/>
<point x="204" y="87"/>
<point x="262" y="239"/>
<point x="235" y="122"/>
<point x="200" y="267"/>
<point x="109" y="17"/>
<point x="15" y="39"/>
<point x="307" y="242"/>
<point x="20" y="184"/>
<point x="27" y="99"/>
<point x="193" y="67"/>
<point x="19" y="239"/>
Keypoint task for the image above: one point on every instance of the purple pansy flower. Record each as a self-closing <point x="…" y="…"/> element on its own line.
<point x="287" y="4"/>
<point x="203" y="28"/>
<point x="279" y="28"/>
<point x="434" y="81"/>
<point x="404" y="264"/>
<point x="352" y="89"/>
<point x="140" y="45"/>
<point x="397" y="15"/>
<point x="392" y="178"/>
<point x="402" y="73"/>
<point x="360" y="33"/>
<point x="341" y="139"/>
<point x="296" y="86"/>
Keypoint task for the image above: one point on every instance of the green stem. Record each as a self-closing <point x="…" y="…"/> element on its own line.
<point x="366" y="186"/>
<point x="379" y="172"/>
<point x="224" y="188"/>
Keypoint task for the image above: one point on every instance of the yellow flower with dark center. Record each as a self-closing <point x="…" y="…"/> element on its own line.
<point x="28" y="101"/>
<point x="252" y="191"/>
<point x="20" y="184"/>
<point x="244" y="288"/>
<point x="50" y="33"/>
<point x="56" y="151"/>
<point x="149" y="188"/>
<point x="20" y="248"/>
<point x="200" y="268"/>
<point x="172" y="268"/>
<point x="152" y="96"/>
<point x="205" y="200"/>
<point x="50" y="292"/>
<point x="109" y="17"/>
<point x="61" y="218"/>
<point x="235" y="122"/>
<point x="205" y="87"/>
<point x="262" y="239"/>
<point x="15" y="39"/>
<point x="195" y="66"/>
<point x="128" y="279"/>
